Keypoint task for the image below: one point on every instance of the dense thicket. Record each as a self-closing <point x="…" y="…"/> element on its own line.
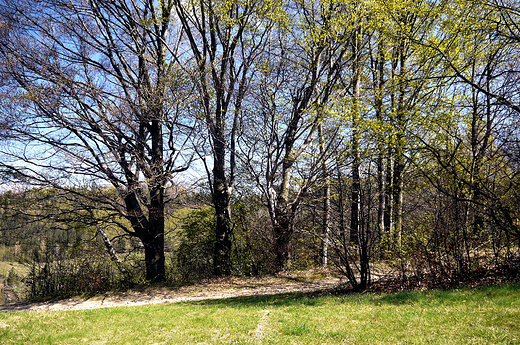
<point x="339" y="132"/>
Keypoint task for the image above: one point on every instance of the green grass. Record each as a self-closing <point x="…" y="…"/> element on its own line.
<point x="6" y="266"/>
<point x="466" y="316"/>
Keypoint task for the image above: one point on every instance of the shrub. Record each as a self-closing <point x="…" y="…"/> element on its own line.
<point x="195" y="251"/>
<point x="13" y="278"/>
<point x="194" y="255"/>
<point x="72" y="276"/>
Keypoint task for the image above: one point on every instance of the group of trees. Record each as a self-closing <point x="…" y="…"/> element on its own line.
<point x="371" y="128"/>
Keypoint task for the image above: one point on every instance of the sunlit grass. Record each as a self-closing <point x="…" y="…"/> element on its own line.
<point x="20" y="269"/>
<point x="465" y="316"/>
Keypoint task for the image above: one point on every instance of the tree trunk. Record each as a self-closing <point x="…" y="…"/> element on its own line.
<point x="113" y="256"/>
<point x="221" y="201"/>
<point x="389" y="197"/>
<point x="154" y="237"/>
<point x="379" y="82"/>
<point x="282" y="231"/>
<point x="399" y="158"/>
<point x="282" y="223"/>
<point x="151" y="233"/>
<point x="356" y="160"/>
<point x="326" y="201"/>
<point x="398" y="195"/>
<point x="380" y="193"/>
<point x="154" y="256"/>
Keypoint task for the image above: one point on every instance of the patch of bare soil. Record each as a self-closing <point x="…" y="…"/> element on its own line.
<point x="209" y="289"/>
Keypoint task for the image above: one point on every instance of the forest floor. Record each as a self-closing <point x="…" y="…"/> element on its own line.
<point x="216" y="288"/>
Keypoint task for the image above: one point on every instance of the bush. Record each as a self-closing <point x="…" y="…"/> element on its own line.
<point x="194" y="255"/>
<point x="251" y="254"/>
<point x="197" y="235"/>
<point x="13" y="278"/>
<point x="73" y="276"/>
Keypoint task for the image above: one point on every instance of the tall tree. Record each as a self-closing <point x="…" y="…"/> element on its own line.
<point x="102" y="95"/>
<point x="224" y="40"/>
<point x="301" y="71"/>
<point x="357" y="44"/>
<point x="402" y="82"/>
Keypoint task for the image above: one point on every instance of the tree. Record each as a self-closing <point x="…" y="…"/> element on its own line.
<point x="224" y="39"/>
<point x="103" y="101"/>
<point x="301" y="70"/>
<point x="478" y="56"/>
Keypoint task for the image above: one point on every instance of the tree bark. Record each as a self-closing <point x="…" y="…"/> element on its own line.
<point x="389" y="197"/>
<point x="379" y="82"/>
<point x="326" y="201"/>
<point x="400" y="144"/>
<point x="222" y="204"/>
<point x="223" y="58"/>
<point x="356" y="160"/>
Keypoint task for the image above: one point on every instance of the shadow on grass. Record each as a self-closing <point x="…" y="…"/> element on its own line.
<point x="321" y="298"/>
<point x="284" y="299"/>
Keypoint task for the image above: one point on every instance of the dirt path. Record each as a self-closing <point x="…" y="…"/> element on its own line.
<point x="211" y="289"/>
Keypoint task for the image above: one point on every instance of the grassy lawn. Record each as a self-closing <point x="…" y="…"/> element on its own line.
<point x="466" y="316"/>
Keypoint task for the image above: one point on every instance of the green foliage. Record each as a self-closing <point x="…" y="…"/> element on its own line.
<point x="195" y="251"/>
<point x="13" y="278"/>
<point x="251" y="253"/>
<point x="437" y="131"/>
<point x="33" y="220"/>
<point x="6" y="253"/>
<point x="196" y="236"/>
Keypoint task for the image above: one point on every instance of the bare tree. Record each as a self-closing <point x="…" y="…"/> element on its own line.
<point x="103" y="101"/>
<point x="223" y="38"/>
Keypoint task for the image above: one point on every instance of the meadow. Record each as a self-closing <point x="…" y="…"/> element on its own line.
<point x="489" y="315"/>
